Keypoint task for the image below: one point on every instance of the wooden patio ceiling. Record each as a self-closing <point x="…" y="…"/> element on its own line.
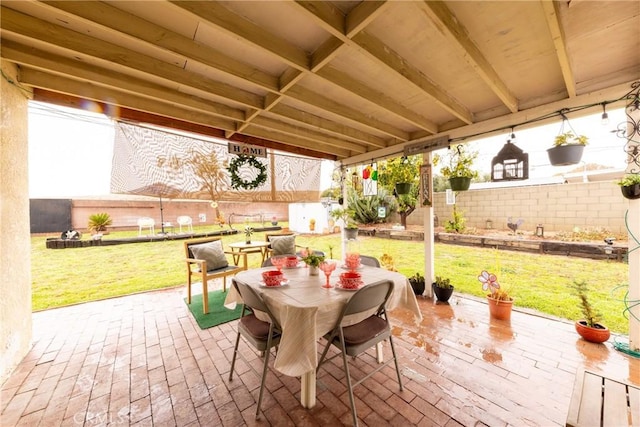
<point x="343" y="80"/>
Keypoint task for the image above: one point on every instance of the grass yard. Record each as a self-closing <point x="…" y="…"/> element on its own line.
<point x="540" y="282"/>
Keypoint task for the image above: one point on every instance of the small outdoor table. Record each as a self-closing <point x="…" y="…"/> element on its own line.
<point x="601" y="401"/>
<point x="251" y="248"/>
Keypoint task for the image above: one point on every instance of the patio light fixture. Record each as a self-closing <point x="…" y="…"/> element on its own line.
<point x="605" y="116"/>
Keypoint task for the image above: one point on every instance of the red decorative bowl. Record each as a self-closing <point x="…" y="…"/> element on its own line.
<point x="350" y="280"/>
<point x="272" y="277"/>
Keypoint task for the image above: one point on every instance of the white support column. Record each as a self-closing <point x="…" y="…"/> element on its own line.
<point x="634" y="230"/>
<point x="429" y="247"/>
<point x="343" y="234"/>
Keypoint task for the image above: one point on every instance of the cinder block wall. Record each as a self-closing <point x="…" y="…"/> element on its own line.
<point x="558" y="207"/>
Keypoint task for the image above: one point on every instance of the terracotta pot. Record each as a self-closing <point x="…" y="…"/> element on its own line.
<point x="500" y="309"/>
<point x="597" y="334"/>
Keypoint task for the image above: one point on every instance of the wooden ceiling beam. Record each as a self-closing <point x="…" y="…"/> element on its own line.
<point x="218" y="15"/>
<point x="377" y="98"/>
<point x="385" y="55"/>
<point x="128" y="114"/>
<point x="381" y="53"/>
<point x="56" y="64"/>
<point x="261" y="132"/>
<point x="123" y="22"/>
<point x="550" y="9"/>
<point x="94" y="92"/>
<point x="440" y="15"/>
<point x="319" y="137"/>
<point x="45" y="32"/>
<point x="340" y="131"/>
<point x="288" y="53"/>
<point x="346" y="112"/>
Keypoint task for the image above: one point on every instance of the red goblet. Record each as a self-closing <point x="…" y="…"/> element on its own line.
<point x="327" y="268"/>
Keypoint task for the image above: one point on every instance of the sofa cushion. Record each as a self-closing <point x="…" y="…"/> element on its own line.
<point x="212" y="253"/>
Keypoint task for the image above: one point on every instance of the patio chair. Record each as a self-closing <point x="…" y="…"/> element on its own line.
<point x="356" y="339"/>
<point x="146" y="222"/>
<point x="185" y="221"/>
<point x="206" y="259"/>
<point x="260" y="334"/>
<point x="369" y="260"/>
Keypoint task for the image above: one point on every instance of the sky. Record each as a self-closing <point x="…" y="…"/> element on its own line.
<point x="70" y="150"/>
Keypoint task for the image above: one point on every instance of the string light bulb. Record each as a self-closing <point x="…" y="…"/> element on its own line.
<point x="605" y="116"/>
<point x="513" y="136"/>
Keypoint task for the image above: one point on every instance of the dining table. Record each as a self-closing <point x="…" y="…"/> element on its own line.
<point x="306" y="311"/>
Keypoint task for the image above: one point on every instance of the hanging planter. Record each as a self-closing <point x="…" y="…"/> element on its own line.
<point x="458" y="167"/>
<point x="567" y="146"/>
<point x="563" y="155"/>
<point x="460" y="183"/>
<point x="630" y="186"/>
<point x="403" y="187"/>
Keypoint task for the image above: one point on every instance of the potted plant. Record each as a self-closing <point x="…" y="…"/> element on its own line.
<point x="630" y="186"/>
<point x="457" y="167"/>
<point x="99" y="222"/>
<point x="312" y="259"/>
<point x="248" y="231"/>
<point x="442" y="288"/>
<point x="588" y="328"/>
<point x="399" y="174"/>
<point x="417" y="283"/>
<point x="567" y="149"/>
<point x="500" y="302"/>
<point x="274" y="220"/>
<point x="346" y="216"/>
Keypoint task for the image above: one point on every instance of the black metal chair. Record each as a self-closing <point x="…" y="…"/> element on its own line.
<point x="262" y="335"/>
<point x="356" y="339"/>
<point x="369" y="260"/>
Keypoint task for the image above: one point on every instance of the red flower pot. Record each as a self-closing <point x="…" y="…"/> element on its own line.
<point x="500" y="309"/>
<point x="597" y="334"/>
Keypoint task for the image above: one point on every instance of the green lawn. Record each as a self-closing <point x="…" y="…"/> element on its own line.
<point x="68" y="276"/>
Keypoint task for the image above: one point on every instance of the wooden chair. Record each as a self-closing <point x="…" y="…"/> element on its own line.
<point x="357" y="339"/>
<point x="197" y="266"/>
<point x="262" y="335"/>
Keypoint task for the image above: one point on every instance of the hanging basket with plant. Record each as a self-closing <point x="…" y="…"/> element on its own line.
<point x="630" y="186"/>
<point x="458" y="167"/>
<point x="568" y="146"/>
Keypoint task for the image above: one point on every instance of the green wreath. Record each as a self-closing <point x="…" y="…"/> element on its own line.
<point x="237" y="181"/>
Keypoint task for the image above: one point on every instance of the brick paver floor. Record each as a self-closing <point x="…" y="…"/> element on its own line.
<point x="142" y="360"/>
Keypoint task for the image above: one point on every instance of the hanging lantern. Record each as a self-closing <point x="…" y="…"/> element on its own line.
<point x="510" y="164"/>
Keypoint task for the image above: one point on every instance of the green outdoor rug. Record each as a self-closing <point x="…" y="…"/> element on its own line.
<point x="218" y="313"/>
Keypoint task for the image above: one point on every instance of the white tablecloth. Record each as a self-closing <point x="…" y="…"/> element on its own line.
<point x="306" y="311"/>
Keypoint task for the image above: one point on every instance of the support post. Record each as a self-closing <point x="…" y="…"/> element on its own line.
<point x="429" y="246"/>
